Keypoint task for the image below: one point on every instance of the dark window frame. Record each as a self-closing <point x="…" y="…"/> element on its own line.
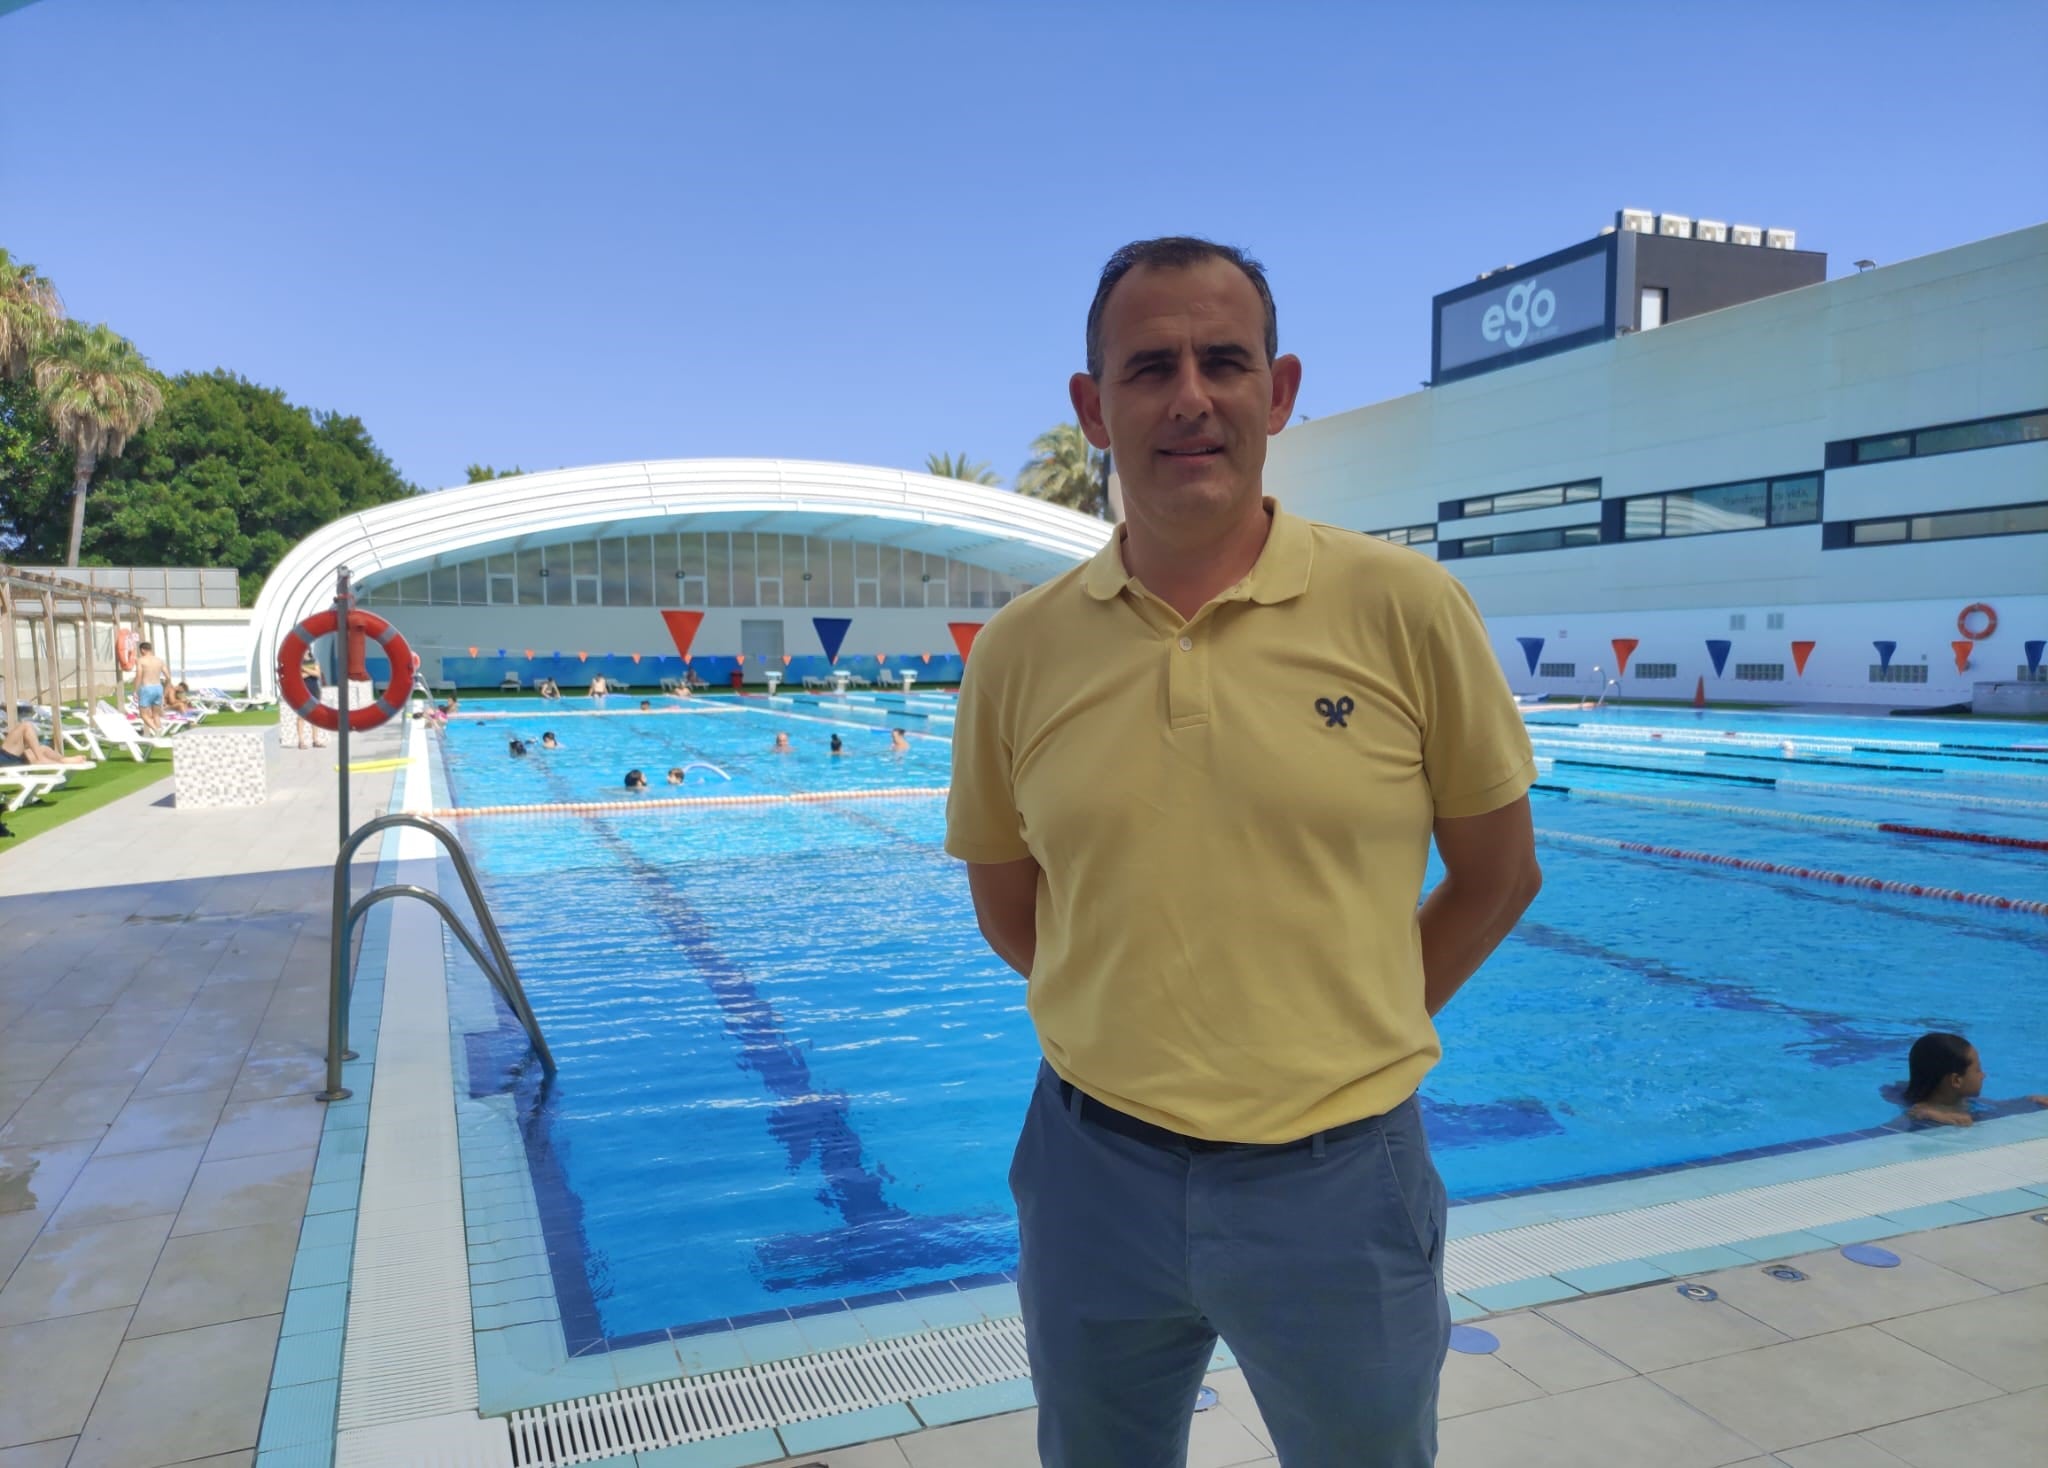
<point x="1841" y="534"/>
<point x="1459" y="550"/>
<point x="1614" y="523"/>
<point x="1843" y="453"/>
<point x="1423" y="534"/>
<point x="1462" y="509"/>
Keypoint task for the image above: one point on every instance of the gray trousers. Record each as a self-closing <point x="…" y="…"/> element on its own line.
<point x="1321" y="1265"/>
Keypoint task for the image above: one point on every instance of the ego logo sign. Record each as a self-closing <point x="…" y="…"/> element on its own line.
<point x="1528" y="307"/>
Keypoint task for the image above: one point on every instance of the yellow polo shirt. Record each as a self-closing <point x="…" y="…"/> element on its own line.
<point x="1233" y="817"/>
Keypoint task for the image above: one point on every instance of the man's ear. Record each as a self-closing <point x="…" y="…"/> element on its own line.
<point x="1086" y="394"/>
<point x="1286" y="385"/>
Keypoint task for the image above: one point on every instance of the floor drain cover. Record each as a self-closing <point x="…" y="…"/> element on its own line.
<point x="1205" y="1399"/>
<point x="1786" y="1273"/>
<point x="1470" y="1340"/>
<point x="1698" y="1292"/>
<point x="1870" y="1254"/>
<point x="2040" y="1217"/>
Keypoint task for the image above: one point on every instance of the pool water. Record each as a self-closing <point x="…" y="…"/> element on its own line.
<point x="790" y="1071"/>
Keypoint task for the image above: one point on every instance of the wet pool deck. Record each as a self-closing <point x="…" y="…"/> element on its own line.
<point x="161" y="1020"/>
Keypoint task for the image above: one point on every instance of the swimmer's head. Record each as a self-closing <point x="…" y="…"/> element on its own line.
<point x="645" y="706"/>
<point x="675" y="777"/>
<point x="548" y="741"/>
<point x="838" y="744"/>
<point x="1945" y="1065"/>
<point x="635" y="780"/>
<point x="782" y="741"/>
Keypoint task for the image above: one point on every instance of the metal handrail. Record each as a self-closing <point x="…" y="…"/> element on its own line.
<point x="491" y="957"/>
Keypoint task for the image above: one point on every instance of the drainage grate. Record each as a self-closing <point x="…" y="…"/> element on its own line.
<point x="722" y="1403"/>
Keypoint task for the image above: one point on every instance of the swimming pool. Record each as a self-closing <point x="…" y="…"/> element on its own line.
<point x="790" y="1071"/>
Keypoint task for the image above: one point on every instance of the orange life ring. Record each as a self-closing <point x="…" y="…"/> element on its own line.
<point x="125" y="642"/>
<point x="291" y="683"/>
<point x="1977" y="634"/>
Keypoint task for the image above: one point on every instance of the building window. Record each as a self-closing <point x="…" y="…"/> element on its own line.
<point x="1656" y="670"/>
<point x="1942" y="438"/>
<point x="1557" y="670"/>
<point x="2032" y="675"/>
<point x="1406" y="534"/>
<point x="1760" y="672"/>
<point x="1738" y="621"/>
<point x="1950" y="525"/>
<point x="1750" y="504"/>
<point x="1545" y="497"/>
<point x="1650" y="312"/>
<point x="1558" y="537"/>
<point x="1774" y="622"/>
<point x="1898" y="673"/>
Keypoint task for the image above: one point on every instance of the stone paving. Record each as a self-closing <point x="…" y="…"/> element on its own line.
<point x="163" y="979"/>
<point x="162" y="1013"/>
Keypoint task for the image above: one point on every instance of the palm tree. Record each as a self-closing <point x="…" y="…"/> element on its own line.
<point x="99" y="392"/>
<point x="955" y="466"/>
<point x="1064" y="470"/>
<point x="29" y="314"/>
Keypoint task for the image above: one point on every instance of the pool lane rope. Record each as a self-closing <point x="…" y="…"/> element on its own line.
<point x="1811" y="874"/>
<point x="1944" y="797"/>
<point x="681" y="802"/>
<point x="1753" y="812"/>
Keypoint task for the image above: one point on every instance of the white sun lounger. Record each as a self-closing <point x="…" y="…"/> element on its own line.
<point x="23" y="783"/>
<point x="117" y="731"/>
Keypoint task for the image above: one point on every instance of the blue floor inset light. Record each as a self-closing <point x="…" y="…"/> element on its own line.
<point x="1205" y="1399"/>
<point x="1785" y="1272"/>
<point x="1871" y="1255"/>
<point x="1470" y="1340"/>
<point x="1699" y="1292"/>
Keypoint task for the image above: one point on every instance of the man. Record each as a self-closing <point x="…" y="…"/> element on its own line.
<point x="150" y="677"/>
<point x="1202" y="839"/>
<point x="23" y="745"/>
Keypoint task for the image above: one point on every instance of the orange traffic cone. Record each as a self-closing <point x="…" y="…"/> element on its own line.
<point x="1699" y="693"/>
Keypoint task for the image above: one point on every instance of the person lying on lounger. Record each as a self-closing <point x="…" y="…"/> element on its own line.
<point x="24" y="746"/>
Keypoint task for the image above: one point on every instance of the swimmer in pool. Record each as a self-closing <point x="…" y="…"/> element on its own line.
<point x="1945" y="1083"/>
<point x="675" y="777"/>
<point x="516" y="748"/>
<point x="897" y="743"/>
<point x="781" y="745"/>
<point x="548" y="740"/>
<point x="838" y="745"/>
<point x="635" y="780"/>
<point x="646" y="707"/>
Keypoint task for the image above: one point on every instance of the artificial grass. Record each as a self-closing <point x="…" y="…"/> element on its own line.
<point x="88" y="787"/>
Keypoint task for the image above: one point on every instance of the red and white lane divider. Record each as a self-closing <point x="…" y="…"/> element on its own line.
<point x="1811" y="874"/>
<point x="800" y="797"/>
<point x="1979" y="838"/>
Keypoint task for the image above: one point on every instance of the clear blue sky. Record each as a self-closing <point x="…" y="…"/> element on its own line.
<point x="572" y="233"/>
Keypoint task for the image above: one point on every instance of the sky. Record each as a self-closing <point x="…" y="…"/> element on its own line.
<point x="567" y="234"/>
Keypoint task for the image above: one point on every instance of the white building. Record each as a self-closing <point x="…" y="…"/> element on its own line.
<point x="1803" y="478"/>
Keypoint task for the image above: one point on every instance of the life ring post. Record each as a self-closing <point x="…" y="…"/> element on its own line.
<point x="1977" y="621"/>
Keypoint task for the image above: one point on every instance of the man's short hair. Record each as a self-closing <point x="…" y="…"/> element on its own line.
<point x="144" y="647"/>
<point x="1175" y="252"/>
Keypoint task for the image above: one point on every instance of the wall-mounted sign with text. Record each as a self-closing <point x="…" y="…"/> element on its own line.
<point x="1561" y="301"/>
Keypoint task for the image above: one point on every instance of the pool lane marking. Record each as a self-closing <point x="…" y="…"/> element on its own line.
<point x="796" y="797"/>
<point x="1812" y="874"/>
<point x="1894" y="828"/>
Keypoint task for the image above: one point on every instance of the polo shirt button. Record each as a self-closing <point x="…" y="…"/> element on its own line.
<point x="1187" y="644"/>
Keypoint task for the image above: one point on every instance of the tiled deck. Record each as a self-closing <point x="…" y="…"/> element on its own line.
<point x="163" y="980"/>
<point x="161" y="1020"/>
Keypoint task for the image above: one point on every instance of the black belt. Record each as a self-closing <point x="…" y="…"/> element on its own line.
<point x="1139" y="1130"/>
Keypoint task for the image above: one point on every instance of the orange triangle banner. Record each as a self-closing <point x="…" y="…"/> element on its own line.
<point x="785" y="660"/>
<point x="963" y="635"/>
<point x="682" y="628"/>
<point x="1962" y="651"/>
<point x="1623" y="647"/>
<point x="1801" y="651"/>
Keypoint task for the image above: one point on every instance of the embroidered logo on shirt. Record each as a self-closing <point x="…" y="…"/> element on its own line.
<point x="1334" y="712"/>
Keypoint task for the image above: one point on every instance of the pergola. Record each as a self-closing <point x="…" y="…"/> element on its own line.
<point x="56" y="623"/>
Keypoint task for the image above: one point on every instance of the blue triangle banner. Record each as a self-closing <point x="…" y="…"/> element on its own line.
<point x="1717" y="649"/>
<point x="2034" y="651"/>
<point x="1532" y="649"/>
<point x="1884" y="653"/>
<point x="832" y="633"/>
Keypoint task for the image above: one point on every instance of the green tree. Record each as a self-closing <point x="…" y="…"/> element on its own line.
<point x="230" y="474"/>
<point x="29" y="314"/>
<point x="98" y="392"/>
<point x="955" y="466"/>
<point x="478" y="473"/>
<point x="35" y="476"/>
<point x="1065" y="470"/>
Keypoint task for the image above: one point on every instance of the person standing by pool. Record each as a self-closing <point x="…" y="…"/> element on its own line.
<point x="151" y="675"/>
<point x="1203" y="845"/>
<point x="598" y="688"/>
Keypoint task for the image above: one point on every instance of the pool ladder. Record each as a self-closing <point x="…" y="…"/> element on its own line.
<point x="490" y="956"/>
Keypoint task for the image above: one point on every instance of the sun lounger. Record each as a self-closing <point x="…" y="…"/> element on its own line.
<point x="22" y="783"/>
<point x="509" y="683"/>
<point x="117" y="731"/>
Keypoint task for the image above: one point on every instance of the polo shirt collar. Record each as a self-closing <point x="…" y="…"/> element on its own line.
<point x="1280" y="574"/>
